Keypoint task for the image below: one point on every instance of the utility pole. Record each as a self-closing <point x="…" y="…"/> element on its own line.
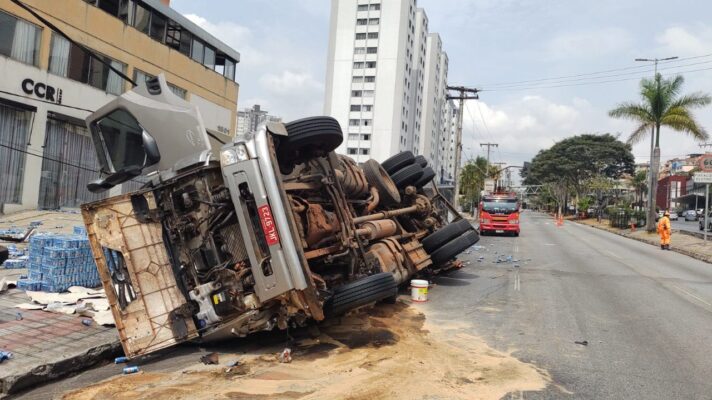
<point x="654" y="156"/>
<point x="489" y="146"/>
<point x="463" y="94"/>
<point x="499" y="172"/>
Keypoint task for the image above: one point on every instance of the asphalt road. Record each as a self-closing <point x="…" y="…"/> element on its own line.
<point x="645" y="313"/>
<point x="681" y="224"/>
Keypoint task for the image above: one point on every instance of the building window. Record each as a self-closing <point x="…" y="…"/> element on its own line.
<point x="359" y="65"/>
<point x="353" y="136"/>
<point x="353" y="122"/>
<point x="357" y="79"/>
<point x="370" y="64"/>
<point x="360" y="36"/>
<point x="364" y="152"/>
<point x="360" y="50"/>
<point x="14" y="134"/>
<point x="158" y="26"/>
<point x="370" y="79"/>
<point x="197" y="51"/>
<point x="209" y="60"/>
<point x="365" y="122"/>
<point x="366" y="137"/>
<point x="373" y="21"/>
<point x="373" y="35"/>
<point x="368" y="93"/>
<point x="362" y="7"/>
<point x="372" y="50"/>
<point x="351" y="151"/>
<point x="142" y="18"/>
<point x="374" y="7"/>
<point x="110" y="6"/>
<point x="367" y="107"/>
<point x="19" y="40"/>
<point x="355" y="107"/>
<point x="356" y="93"/>
<point x="70" y="61"/>
<point x="361" y="21"/>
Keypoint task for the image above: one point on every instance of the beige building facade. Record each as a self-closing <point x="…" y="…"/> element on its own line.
<point x="50" y="85"/>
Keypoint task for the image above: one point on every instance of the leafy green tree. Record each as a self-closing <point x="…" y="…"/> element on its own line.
<point x="472" y="179"/>
<point x="662" y="105"/>
<point x="568" y="167"/>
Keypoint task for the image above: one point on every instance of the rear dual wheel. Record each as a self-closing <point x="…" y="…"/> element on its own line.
<point x="454" y="247"/>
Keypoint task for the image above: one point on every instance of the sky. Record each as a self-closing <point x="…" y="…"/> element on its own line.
<point x="541" y="64"/>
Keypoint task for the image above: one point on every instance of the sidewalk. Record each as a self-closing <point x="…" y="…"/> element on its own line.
<point x="683" y="243"/>
<point x="45" y="345"/>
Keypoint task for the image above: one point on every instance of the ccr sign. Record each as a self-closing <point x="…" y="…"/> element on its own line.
<point x="41" y="90"/>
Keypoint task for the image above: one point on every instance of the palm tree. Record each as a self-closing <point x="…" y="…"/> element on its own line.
<point x="662" y="105"/>
<point x="639" y="184"/>
<point x="472" y="178"/>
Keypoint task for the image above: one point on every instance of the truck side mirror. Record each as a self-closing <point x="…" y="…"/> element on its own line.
<point x="151" y="148"/>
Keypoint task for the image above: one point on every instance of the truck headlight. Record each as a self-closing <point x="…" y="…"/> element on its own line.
<point x="514" y="221"/>
<point x="233" y="155"/>
<point x="485" y="221"/>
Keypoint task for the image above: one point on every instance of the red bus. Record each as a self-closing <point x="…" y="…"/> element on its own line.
<point x="499" y="213"/>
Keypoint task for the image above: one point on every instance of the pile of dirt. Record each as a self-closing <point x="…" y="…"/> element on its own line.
<point x="387" y="352"/>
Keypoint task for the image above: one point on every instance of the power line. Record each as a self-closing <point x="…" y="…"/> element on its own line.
<point x="593" y="73"/>
<point x="587" y="83"/>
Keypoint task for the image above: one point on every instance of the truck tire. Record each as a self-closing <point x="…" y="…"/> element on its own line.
<point x="445" y="234"/>
<point x="4" y="254"/>
<point x="397" y="162"/>
<point x="454" y="247"/>
<point x="428" y="175"/>
<point x="378" y="178"/>
<point x="407" y="176"/>
<point x="309" y="137"/>
<point x="361" y="292"/>
<point x="421" y="160"/>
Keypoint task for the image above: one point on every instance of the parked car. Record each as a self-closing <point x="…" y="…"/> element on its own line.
<point x="674" y="216"/>
<point x="268" y="229"/>
<point x="690" y="215"/>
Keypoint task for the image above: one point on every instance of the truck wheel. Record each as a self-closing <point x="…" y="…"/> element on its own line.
<point x="445" y="234"/>
<point x="361" y="292"/>
<point x="428" y="175"/>
<point x="4" y="254"/>
<point x="454" y="247"/>
<point x="308" y="138"/>
<point x="397" y="162"/>
<point x="378" y="178"/>
<point x="407" y="176"/>
<point x="421" y="160"/>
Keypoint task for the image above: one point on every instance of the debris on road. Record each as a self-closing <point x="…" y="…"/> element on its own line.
<point x="130" y="370"/>
<point x="121" y="360"/>
<point x="5" y="355"/>
<point x="285" y="356"/>
<point x="582" y="342"/>
<point x="210" y="359"/>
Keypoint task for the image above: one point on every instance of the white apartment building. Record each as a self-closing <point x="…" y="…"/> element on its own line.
<point x="251" y="118"/>
<point x="386" y="80"/>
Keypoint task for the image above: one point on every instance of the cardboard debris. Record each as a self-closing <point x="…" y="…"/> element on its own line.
<point x="28" y="306"/>
<point x="79" y="300"/>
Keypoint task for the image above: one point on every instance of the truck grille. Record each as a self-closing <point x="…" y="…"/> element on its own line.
<point x="233" y="239"/>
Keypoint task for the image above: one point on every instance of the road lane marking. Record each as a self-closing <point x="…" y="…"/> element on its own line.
<point x="691" y="295"/>
<point x="517" y="281"/>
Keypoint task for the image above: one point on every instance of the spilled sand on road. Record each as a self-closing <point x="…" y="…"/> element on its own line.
<point x="382" y="353"/>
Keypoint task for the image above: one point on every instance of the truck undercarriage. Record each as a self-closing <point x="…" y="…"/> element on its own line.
<point x="270" y="230"/>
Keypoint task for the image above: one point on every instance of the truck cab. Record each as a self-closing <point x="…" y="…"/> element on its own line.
<point x="499" y="213"/>
<point x="268" y="230"/>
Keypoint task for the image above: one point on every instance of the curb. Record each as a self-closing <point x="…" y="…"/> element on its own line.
<point x="41" y="374"/>
<point x="697" y="256"/>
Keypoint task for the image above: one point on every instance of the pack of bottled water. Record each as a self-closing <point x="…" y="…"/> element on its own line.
<point x="57" y="262"/>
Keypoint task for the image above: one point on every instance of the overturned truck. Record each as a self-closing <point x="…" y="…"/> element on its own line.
<point x="270" y="229"/>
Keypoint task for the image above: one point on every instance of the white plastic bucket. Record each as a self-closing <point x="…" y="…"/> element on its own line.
<point x="419" y="290"/>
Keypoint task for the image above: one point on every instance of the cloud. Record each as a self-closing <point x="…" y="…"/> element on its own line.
<point x="291" y="82"/>
<point x="589" y="44"/>
<point x="683" y="41"/>
<point x="236" y="36"/>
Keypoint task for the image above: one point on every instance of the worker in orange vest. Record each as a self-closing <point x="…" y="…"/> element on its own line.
<point x="664" y="231"/>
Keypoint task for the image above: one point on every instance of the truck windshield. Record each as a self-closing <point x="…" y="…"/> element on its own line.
<point x="121" y="137"/>
<point x="500" y="206"/>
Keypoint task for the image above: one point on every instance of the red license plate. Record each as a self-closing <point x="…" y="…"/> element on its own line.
<point x="268" y="227"/>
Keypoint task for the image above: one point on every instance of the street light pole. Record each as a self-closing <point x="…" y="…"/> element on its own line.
<point x="654" y="156"/>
